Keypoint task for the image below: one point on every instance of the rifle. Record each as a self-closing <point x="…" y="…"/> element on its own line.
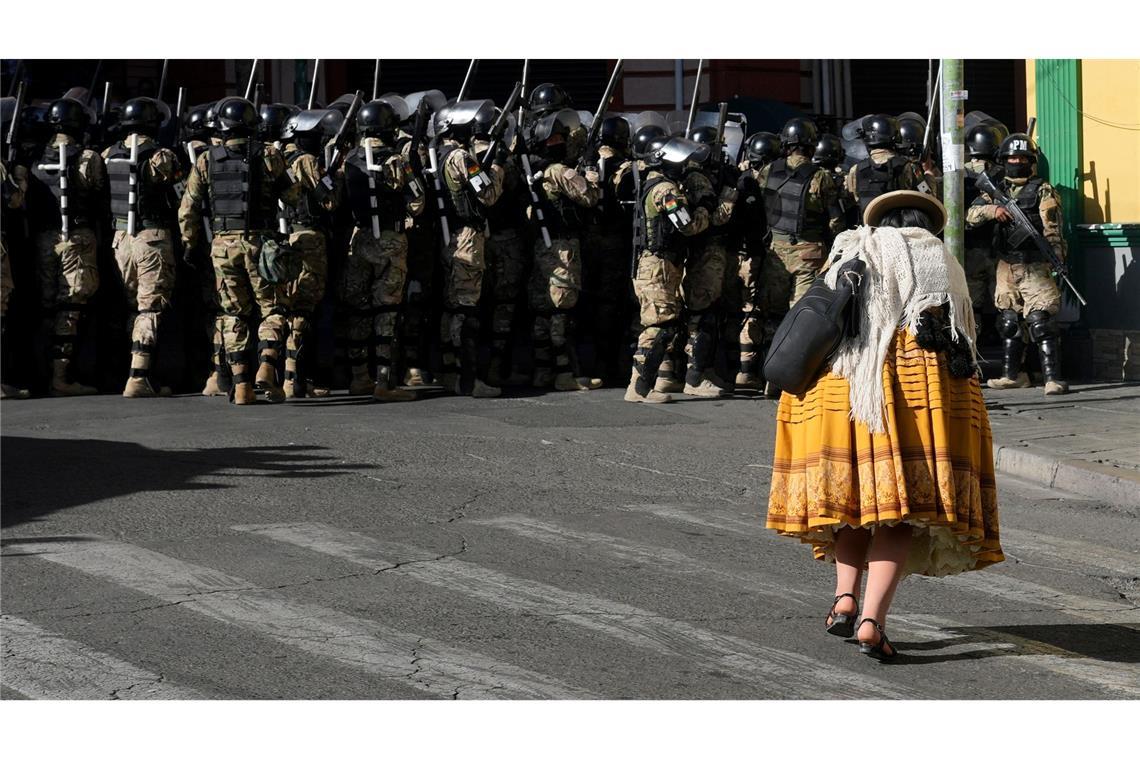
<point x="465" y="89"/>
<point x="338" y="151"/>
<point x="13" y="128"/>
<point x="638" y="215"/>
<point x="419" y="131"/>
<point x="1024" y="229"/>
<point x="500" y="126"/>
<point x="596" y="123"/>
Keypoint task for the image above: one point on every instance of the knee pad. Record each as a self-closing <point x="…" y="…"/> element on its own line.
<point x="1009" y="324"/>
<point x="1042" y="326"/>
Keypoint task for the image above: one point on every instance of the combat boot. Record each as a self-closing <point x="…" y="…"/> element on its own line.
<point x="293" y="388"/>
<point x="9" y="391"/>
<point x="1050" y="351"/>
<point x="1005" y="383"/>
<point x="543" y="378"/>
<point x="705" y="389"/>
<point x="482" y="390"/>
<point x="243" y="394"/>
<point x="748" y="381"/>
<point x="217" y="385"/>
<point x="266" y="380"/>
<point x="1012" y="375"/>
<point x="414" y="377"/>
<point x="450" y="382"/>
<point x="667" y="380"/>
<point x="140" y="387"/>
<point x="713" y="378"/>
<point x="362" y="383"/>
<point x="381" y="393"/>
<point x="61" y="386"/>
<point x="591" y="383"/>
<point x="565" y="381"/>
<point x="652" y="397"/>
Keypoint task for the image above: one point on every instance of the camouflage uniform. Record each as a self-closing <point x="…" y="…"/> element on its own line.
<point x="14" y="186"/>
<point x="556" y="274"/>
<point x="464" y="263"/>
<point x="423" y="234"/>
<point x="68" y="269"/>
<point x="375" y="273"/>
<point x="910" y="177"/>
<point x="235" y="253"/>
<point x="308" y="242"/>
<point x="145" y="259"/>
<point x="657" y="283"/>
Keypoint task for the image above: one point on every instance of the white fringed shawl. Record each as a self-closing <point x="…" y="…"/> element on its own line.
<point x="909" y="270"/>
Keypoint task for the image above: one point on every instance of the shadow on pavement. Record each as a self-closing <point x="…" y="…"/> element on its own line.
<point x="45" y="475"/>
<point x="1095" y="641"/>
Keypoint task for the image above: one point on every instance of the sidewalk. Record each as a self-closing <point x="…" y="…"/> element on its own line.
<point x="1086" y="442"/>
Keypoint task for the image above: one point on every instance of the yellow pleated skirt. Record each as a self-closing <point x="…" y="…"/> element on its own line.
<point x="933" y="467"/>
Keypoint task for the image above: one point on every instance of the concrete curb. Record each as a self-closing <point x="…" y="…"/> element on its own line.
<point x="1098" y="481"/>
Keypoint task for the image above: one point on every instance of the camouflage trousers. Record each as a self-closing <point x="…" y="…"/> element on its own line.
<point x="241" y="290"/>
<point x="743" y="330"/>
<point x="69" y="276"/>
<point x="657" y="285"/>
<point x="420" y="294"/>
<point x="372" y="290"/>
<point x="980" y="274"/>
<point x="786" y="274"/>
<point x="1026" y="287"/>
<point x="304" y="294"/>
<point x="507" y="264"/>
<point x="146" y="266"/>
<point x="464" y="265"/>
<point x="553" y="289"/>
<point x="702" y="287"/>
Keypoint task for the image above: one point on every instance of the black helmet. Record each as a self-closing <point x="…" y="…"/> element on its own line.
<point x="485" y="119"/>
<point x="142" y="115"/>
<point x="377" y="118"/>
<point x="343" y="103"/>
<point x="552" y="130"/>
<point x="704" y="134"/>
<point x="762" y="148"/>
<point x="69" y="116"/>
<point x="677" y="153"/>
<point x="548" y="97"/>
<point x="798" y="133"/>
<point x="319" y="122"/>
<point x="235" y="116"/>
<point x="911" y="135"/>
<point x="644" y="137"/>
<point x="829" y="151"/>
<point x="614" y="133"/>
<point x="982" y="141"/>
<point x="435" y="101"/>
<point x="457" y="120"/>
<point x="879" y="131"/>
<point x="196" y="122"/>
<point x="273" y="117"/>
<point x="33" y="122"/>
<point x="1018" y="144"/>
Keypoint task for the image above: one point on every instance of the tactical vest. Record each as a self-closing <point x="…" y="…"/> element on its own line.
<point x="785" y="198"/>
<point x="1029" y="201"/>
<point x="387" y="204"/>
<point x="153" y="202"/>
<point x="662" y="239"/>
<point x="80" y="203"/>
<point x="562" y="215"/>
<point x="308" y="214"/>
<point x="463" y="209"/>
<point x="509" y="212"/>
<point x="872" y="180"/>
<point x="233" y="185"/>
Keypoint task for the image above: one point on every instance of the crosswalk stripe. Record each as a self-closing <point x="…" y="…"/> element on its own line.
<point x="1123" y="679"/>
<point x="418" y="662"/>
<point x="42" y="664"/>
<point x="1070" y="550"/>
<point x="990" y="583"/>
<point x="772" y="671"/>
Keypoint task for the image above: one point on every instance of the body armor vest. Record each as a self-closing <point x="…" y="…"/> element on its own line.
<point x="661" y="237"/>
<point x="509" y="212"/>
<point x="387" y="204"/>
<point x="1029" y="201"/>
<point x="872" y="180"/>
<point x="80" y="204"/>
<point x="306" y="215"/>
<point x="232" y="187"/>
<point x="785" y="198"/>
<point x="153" y="202"/>
<point x="463" y="209"/>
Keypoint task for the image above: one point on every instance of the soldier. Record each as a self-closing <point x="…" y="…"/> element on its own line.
<point x="467" y="190"/>
<point x="830" y="154"/>
<point x="556" y="273"/>
<point x="243" y="179"/>
<point x="66" y="241"/>
<point x="1025" y="285"/>
<point x="14" y="184"/>
<point x="884" y="170"/>
<point x="802" y="208"/>
<point x="667" y="219"/>
<point x="761" y="149"/>
<point x="142" y="175"/>
<point x="548" y="98"/>
<point x="982" y="141"/>
<point x="381" y="197"/>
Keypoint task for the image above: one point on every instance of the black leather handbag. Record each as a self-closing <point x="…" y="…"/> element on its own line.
<point x="813" y="329"/>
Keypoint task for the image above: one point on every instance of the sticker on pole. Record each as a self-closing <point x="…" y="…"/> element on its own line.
<point x="953" y="155"/>
<point x="959" y="94"/>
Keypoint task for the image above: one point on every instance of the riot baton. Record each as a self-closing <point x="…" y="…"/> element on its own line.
<point x="252" y="76"/>
<point x="375" y="78"/>
<point x="313" y="85"/>
<point x="162" y="78"/>
<point x="696" y="96"/>
<point x="61" y="167"/>
<point x="471" y="69"/>
<point x="433" y="169"/>
<point x="526" y="72"/>
<point x="94" y="79"/>
<point x="10" y="138"/>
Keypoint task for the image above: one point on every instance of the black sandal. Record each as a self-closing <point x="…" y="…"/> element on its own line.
<point x="841" y="623"/>
<point x="876" y="651"/>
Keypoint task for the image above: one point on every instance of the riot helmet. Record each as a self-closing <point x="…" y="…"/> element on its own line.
<point x="614" y="133"/>
<point x="484" y="120"/>
<point x="311" y="129"/>
<point x="829" y="151"/>
<point x="704" y="134"/>
<point x="679" y="152"/>
<point x="235" y="116"/>
<point x="273" y="117"/>
<point x="69" y="116"/>
<point x="549" y="134"/>
<point x="196" y="122"/>
<point x="879" y="130"/>
<point x="343" y="103"/>
<point x="982" y="141"/>
<point x="798" y="133"/>
<point x="644" y="139"/>
<point x="762" y="148"/>
<point x="399" y="105"/>
<point x="435" y="100"/>
<point x="34" y="124"/>
<point x="457" y="120"/>
<point x="548" y="97"/>
<point x="912" y="132"/>
<point x="141" y="115"/>
<point x="377" y="118"/>
<point x="1018" y="146"/>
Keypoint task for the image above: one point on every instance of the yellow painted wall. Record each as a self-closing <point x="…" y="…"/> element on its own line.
<point x="1110" y="131"/>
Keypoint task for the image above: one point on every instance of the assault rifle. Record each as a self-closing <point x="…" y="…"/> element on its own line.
<point x="500" y="127"/>
<point x="419" y="132"/>
<point x="1024" y="229"/>
<point x="638" y="215"/>
<point x="338" y="151"/>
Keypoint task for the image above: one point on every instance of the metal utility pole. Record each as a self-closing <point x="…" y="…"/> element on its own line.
<point x="953" y="119"/>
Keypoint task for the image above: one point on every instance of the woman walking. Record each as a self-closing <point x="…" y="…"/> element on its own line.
<point x="885" y="463"/>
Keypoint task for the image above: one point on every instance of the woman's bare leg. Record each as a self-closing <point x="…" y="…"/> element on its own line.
<point x="850" y="556"/>
<point x="885" y="560"/>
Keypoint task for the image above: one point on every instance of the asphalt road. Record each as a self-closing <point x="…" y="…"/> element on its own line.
<point x="558" y="546"/>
